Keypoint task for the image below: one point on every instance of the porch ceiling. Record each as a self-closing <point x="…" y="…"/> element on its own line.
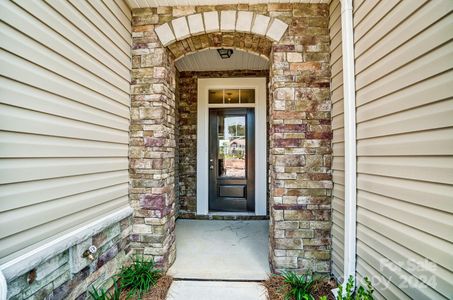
<point x="209" y="60"/>
<point x="157" y="3"/>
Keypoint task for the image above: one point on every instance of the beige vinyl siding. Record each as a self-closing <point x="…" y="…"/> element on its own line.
<point x="336" y="63"/>
<point x="404" y="79"/>
<point x="64" y="117"/>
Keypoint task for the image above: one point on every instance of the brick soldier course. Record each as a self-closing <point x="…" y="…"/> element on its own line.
<point x="299" y="134"/>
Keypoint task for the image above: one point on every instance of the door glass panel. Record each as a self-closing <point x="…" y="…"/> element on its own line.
<point x="215" y="97"/>
<point x="232" y="146"/>
<point x="248" y="96"/>
<point x="231" y="96"/>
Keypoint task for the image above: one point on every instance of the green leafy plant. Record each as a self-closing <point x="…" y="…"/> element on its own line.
<point x="323" y="298"/>
<point x="361" y="293"/>
<point x="138" y="277"/>
<point x="104" y="295"/>
<point x="300" y="286"/>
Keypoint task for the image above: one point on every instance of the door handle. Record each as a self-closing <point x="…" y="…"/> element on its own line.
<point x="211" y="167"/>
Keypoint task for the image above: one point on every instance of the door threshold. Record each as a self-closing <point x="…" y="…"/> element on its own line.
<point x="227" y="213"/>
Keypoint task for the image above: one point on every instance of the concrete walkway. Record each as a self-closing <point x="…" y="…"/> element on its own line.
<point x="218" y="290"/>
<point x="221" y="250"/>
<point x="214" y="251"/>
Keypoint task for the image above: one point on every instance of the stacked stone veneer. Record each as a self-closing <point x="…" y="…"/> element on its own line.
<point x="299" y="131"/>
<point x="68" y="275"/>
<point x="152" y="143"/>
<point x="300" y="141"/>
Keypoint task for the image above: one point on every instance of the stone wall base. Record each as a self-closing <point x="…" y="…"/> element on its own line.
<point x="68" y="275"/>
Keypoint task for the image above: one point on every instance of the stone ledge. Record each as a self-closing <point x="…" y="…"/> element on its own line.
<point x="33" y="258"/>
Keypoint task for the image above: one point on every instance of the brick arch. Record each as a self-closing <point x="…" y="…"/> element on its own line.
<point x="228" y="28"/>
<point x="248" y="42"/>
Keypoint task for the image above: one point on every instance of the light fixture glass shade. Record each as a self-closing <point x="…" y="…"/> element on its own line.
<point x="225" y="53"/>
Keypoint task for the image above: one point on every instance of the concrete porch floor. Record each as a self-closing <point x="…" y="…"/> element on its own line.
<point x="221" y="250"/>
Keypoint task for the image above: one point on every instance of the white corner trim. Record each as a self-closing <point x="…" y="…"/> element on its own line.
<point x="3" y="286"/>
<point x="350" y="140"/>
<point x="33" y="258"/>
<point x="203" y="86"/>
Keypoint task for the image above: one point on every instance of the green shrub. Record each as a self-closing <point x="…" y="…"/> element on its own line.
<point x="139" y="277"/>
<point x="360" y="294"/>
<point x="300" y="286"/>
<point x="104" y="295"/>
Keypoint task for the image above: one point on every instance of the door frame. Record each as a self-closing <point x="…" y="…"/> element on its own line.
<point x="204" y="85"/>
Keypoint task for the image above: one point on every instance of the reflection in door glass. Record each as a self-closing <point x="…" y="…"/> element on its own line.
<point x="232" y="145"/>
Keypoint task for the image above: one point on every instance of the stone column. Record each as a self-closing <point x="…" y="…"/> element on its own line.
<point x="300" y="137"/>
<point x="152" y="142"/>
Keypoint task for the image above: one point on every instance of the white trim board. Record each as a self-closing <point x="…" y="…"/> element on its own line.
<point x="259" y="84"/>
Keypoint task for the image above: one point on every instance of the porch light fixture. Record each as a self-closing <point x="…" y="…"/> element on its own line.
<point x="225" y="53"/>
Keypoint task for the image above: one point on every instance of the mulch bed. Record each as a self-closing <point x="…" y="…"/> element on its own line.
<point x="158" y="292"/>
<point x="277" y="288"/>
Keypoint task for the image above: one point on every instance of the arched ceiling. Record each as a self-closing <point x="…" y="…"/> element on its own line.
<point x="209" y="60"/>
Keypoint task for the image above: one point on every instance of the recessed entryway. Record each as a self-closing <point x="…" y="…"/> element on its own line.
<point x="221" y="250"/>
<point x="231" y="145"/>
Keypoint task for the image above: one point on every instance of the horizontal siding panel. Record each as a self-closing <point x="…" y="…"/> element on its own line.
<point x="124" y="8"/>
<point x="21" y="95"/>
<point x="26" y="240"/>
<point x="338" y="177"/>
<point x="19" y="170"/>
<point x="22" y="194"/>
<point x="424" y="92"/>
<point x="23" y="145"/>
<point x="374" y="16"/>
<point x="391" y="34"/>
<point x="426" y="41"/>
<point x="386" y="27"/>
<point x="107" y="52"/>
<point x="404" y="61"/>
<point x="432" y="169"/>
<point x="338" y="148"/>
<point x="20" y="70"/>
<point x="338" y="193"/>
<point x="337" y="108"/>
<point x="399" y="255"/>
<point x="338" y="122"/>
<point x="337" y="93"/>
<point x="436" y="115"/>
<point x="123" y="30"/>
<point x="119" y="14"/>
<point x="338" y="163"/>
<point x="21" y="45"/>
<point x="428" y="194"/>
<point x="64" y="118"/>
<point x="94" y="17"/>
<point x="27" y="121"/>
<point x="384" y="288"/>
<point x="430" y="65"/>
<point x="17" y="220"/>
<point x="434" y="249"/>
<point x="434" y="222"/>
<point x="362" y="11"/>
<point x="336" y="64"/>
<point x="420" y="143"/>
<point x="58" y="34"/>
<point x="399" y="277"/>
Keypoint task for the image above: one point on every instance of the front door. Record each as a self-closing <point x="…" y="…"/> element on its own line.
<point x="231" y="159"/>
